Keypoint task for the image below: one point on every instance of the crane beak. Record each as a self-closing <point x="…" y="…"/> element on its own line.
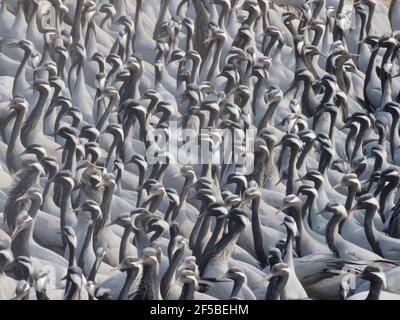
<point x="111" y="223"/>
<point x="277" y="145"/>
<point x="244" y="202"/>
<point x="207" y="41"/>
<point x="100" y="184"/>
<point x="222" y="279"/>
<point x="21" y="198"/>
<point x="355" y="208"/>
<point x="39" y="68"/>
<point x="281" y="208"/>
<point x="279" y="181"/>
<point x="15" y="233"/>
<point x="76" y="209"/>
<point x="376" y="47"/>
<point x="307" y="26"/>
<point x="340" y="184"/>
<point x="268" y="277"/>
<point x="23" y="152"/>
<point x="118" y="267"/>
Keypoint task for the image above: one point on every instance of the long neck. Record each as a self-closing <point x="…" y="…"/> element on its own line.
<point x="216" y="59"/>
<point x="225" y="247"/>
<point x="72" y="291"/>
<point x="237" y="286"/>
<point x="350" y="136"/>
<point x="350" y="197"/>
<point x="106" y="114"/>
<point x="201" y="237"/>
<point x="70" y="161"/>
<point x="370" y="230"/>
<point x="393" y="5"/>
<point x="42" y="295"/>
<point x="124" y="243"/>
<point x="317" y="37"/>
<point x="65" y="206"/>
<point x="182" y="197"/>
<point x="168" y="212"/>
<point x="141" y="240"/>
<point x="269" y="115"/>
<point x="378" y="163"/>
<point x="288" y="259"/>
<point x="33" y="210"/>
<point x="34" y="123"/>
<point x="274" y="291"/>
<point x="303" y="155"/>
<point x="32" y="26"/>
<point x="187" y="291"/>
<point x="137" y="17"/>
<point x="95" y="268"/>
<point x="20" y="75"/>
<point x="257" y="233"/>
<point x="371" y="7"/>
<point x="375" y="289"/>
<point x="386" y="197"/>
<point x="168" y="277"/>
<point x="362" y="32"/>
<point x="331" y="232"/>
<point x="48" y="192"/>
<point x="106" y="204"/>
<point x="318" y="7"/>
<point x="87" y="244"/>
<point x="368" y="75"/>
<point x="161" y="18"/>
<point x="394" y="135"/>
<point x="295" y="213"/>
<point x="386" y="88"/>
<point x="90" y="39"/>
<point x="196" y="228"/>
<point x="305" y="209"/>
<point x="309" y="59"/>
<point x="259" y="85"/>
<point x="76" y="31"/>
<point x="131" y="275"/>
<point x="148" y="286"/>
<point x="201" y="26"/>
<point x="20" y="246"/>
<point x="359" y="140"/>
<point x="307" y="98"/>
<point x="326" y="158"/>
<point x="14" y="140"/>
<point x="291" y="172"/>
<point x="216" y="234"/>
